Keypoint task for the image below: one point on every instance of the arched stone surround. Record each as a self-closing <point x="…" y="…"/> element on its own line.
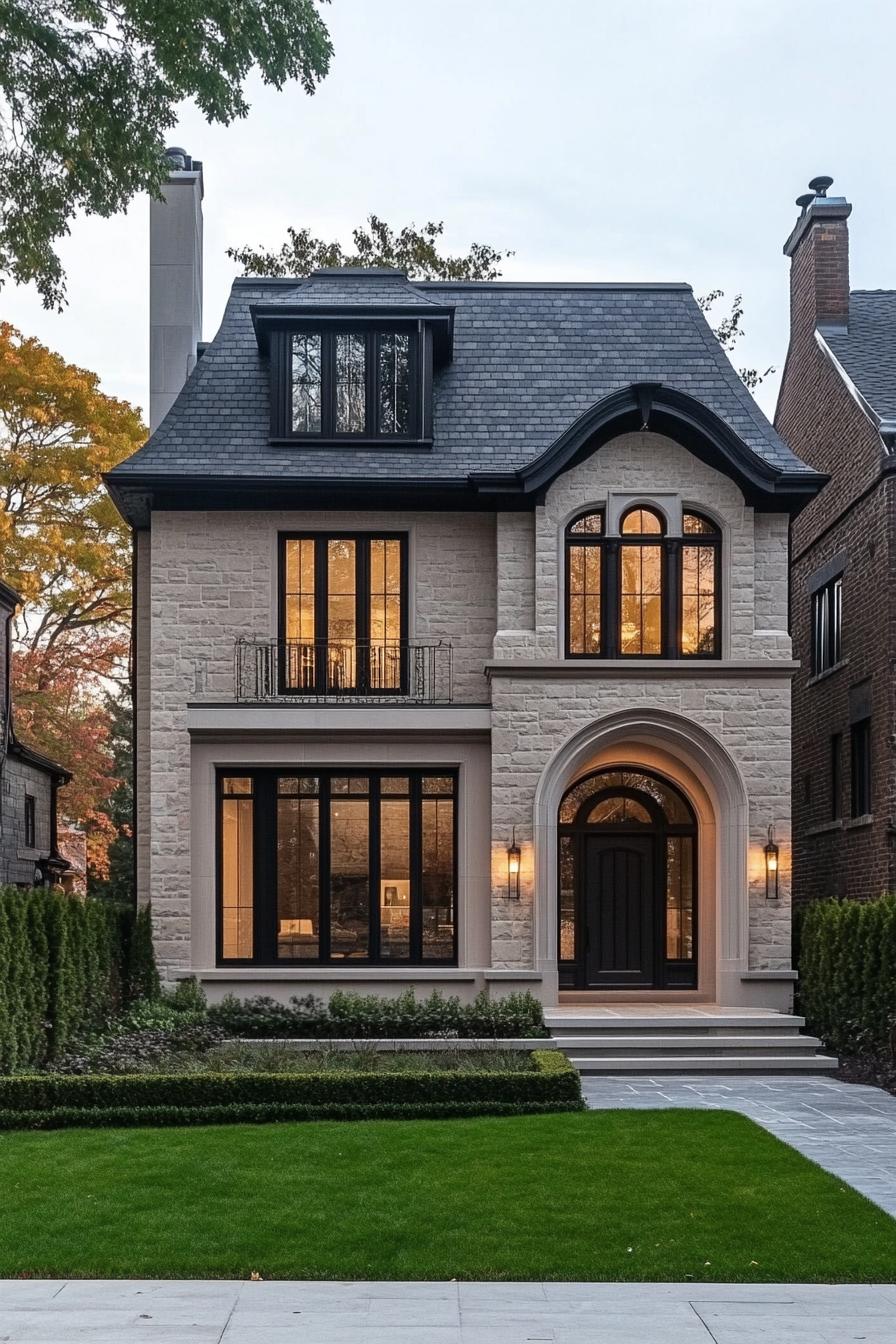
<point x="702" y="768"/>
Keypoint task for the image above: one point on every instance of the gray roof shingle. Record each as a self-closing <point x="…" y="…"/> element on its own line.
<point x="867" y="349"/>
<point x="528" y="360"/>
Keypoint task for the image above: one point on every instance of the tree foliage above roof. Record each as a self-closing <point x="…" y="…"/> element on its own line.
<point x="88" y="89"/>
<point x="410" y="249"/>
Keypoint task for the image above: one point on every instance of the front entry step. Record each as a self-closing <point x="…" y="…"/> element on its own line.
<point x="709" y="1040"/>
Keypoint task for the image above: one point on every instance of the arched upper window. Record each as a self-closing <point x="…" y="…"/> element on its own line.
<point x="643" y="594"/>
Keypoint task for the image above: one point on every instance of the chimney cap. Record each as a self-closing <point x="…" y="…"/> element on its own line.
<point x="820" y="185"/>
<point x="806" y="199"/>
<point x="179" y="161"/>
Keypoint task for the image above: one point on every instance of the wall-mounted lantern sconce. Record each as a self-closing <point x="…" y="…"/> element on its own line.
<point x="513" y="869"/>
<point x="771" y="867"/>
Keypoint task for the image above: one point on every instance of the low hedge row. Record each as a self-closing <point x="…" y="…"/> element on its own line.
<point x="56" y="1100"/>
<point x="370" y="1016"/>
<point x="240" y="1113"/>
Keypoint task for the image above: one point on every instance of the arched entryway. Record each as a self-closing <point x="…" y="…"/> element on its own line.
<point x="627" y="889"/>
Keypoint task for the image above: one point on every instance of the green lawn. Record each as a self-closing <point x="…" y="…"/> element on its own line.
<point x="661" y="1195"/>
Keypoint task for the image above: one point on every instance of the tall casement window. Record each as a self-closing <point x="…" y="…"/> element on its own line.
<point x="643" y="594"/>
<point x="331" y="866"/>
<point x="356" y="384"/>
<point x="343" y="616"/>
<point x="860" y="767"/>
<point x="30" y="822"/>
<point x="827" y="620"/>
<point x="836" y="776"/>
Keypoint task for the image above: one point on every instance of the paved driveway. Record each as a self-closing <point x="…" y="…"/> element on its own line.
<point x="847" y="1129"/>
<point x="443" y="1313"/>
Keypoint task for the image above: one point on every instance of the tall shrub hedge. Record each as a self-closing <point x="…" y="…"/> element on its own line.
<point x="65" y="967"/>
<point x="847" y="966"/>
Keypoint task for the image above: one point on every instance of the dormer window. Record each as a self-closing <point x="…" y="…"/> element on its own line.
<point x="354" y="384"/>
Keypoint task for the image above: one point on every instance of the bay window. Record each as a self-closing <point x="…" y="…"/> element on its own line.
<point x="328" y="866"/>
<point x="642" y="593"/>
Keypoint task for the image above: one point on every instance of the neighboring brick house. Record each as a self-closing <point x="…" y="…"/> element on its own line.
<point x="29" y="783"/>
<point x="462" y="655"/>
<point x="837" y="410"/>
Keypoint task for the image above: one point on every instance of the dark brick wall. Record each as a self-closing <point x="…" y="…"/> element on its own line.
<point x="851" y="516"/>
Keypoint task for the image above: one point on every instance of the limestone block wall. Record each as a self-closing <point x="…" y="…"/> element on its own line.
<point x="533" y="718"/>
<point x="212" y="579"/>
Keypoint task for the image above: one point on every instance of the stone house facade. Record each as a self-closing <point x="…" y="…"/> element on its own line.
<point x="837" y="408"/>
<point x="462" y="651"/>
<point x="29" y="784"/>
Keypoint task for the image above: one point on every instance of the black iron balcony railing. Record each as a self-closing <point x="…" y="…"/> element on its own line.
<point x="346" y="671"/>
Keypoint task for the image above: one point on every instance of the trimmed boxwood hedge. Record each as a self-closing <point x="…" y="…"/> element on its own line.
<point x="847" y="967"/>
<point x="56" y="1100"/>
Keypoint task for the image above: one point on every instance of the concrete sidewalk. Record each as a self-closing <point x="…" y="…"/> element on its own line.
<point x="44" y="1312"/>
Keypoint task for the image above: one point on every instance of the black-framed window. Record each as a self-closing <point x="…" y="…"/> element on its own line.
<point x="355" y="384"/>
<point x="827" y="626"/>
<point x="343" y="613"/>
<point x="836" y="776"/>
<point x="860" y="767"/>
<point x="338" y="865"/>
<point x="30" y="822"/>
<point x="643" y="594"/>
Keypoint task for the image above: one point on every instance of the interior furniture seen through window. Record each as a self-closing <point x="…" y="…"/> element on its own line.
<point x="353" y="384"/>
<point x="331" y="866"/>
<point x="860" y="752"/>
<point x="827" y="620"/>
<point x="343" y="619"/>
<point x="643" y="594"/>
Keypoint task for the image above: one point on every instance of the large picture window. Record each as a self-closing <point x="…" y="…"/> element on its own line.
<point x="333" y="866"/>
<point x="343" y="614"/>
<point x="643" y="594"/>
<point x="360" y="384"/>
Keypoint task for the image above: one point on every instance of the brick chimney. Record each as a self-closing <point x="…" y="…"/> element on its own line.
<point x="175" y="282"/>
<point x="818" y="248"/>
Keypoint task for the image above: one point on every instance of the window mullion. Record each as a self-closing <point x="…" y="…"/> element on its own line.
<point x="610" y="602"/>
<point x="416" y="867"/>
<point x="670" y="601"/>
<point x="328" y="384"/>
<point x="372" y="385"/>
<point x="323" y="847"/>
<point x="373" y="865"/>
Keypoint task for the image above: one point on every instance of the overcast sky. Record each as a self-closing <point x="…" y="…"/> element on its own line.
<point x="600" y="139"/>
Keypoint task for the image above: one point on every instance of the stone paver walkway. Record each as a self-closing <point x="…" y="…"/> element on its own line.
<point x="847" y="1129"/>
<point x="443" y="1313"/>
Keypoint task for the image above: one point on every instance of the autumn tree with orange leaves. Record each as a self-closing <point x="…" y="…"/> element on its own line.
<point x="65" y="548"/>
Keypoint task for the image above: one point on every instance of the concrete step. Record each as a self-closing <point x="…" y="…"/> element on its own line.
<point x="575" y="1046"/>
<point x="567" y="1024"/>
<point x="696" y="1064"/>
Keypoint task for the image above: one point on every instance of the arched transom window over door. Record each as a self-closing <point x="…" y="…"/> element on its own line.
<point x="643" y="594"/>
<point x="627" y="884"/>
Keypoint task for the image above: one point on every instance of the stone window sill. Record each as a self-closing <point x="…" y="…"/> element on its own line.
<point x="828" y="672"/>
<point x="826" y="828"/>
<point x="855" y="823"/>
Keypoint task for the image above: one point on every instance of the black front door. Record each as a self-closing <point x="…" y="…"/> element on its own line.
<point x="620" y="909"/>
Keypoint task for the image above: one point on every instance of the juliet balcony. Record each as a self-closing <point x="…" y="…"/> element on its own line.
<point x="348" y="672"/>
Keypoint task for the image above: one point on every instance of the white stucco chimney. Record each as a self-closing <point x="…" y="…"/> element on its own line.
<point x="175" y="282"/>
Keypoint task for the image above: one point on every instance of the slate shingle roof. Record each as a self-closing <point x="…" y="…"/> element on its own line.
<point x="867" y="349"/>
<point x="528" y="360"/>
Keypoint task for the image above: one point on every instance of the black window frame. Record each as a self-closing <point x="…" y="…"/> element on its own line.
<point x="30" y="821"/>
<point x="827" y="626"/>
<point x="860" y="767"/>
<point x="672" y="548"/>
<point x="419" y="383"/>
<point x="362" y="542"/>
<point x="265" y="792"/>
